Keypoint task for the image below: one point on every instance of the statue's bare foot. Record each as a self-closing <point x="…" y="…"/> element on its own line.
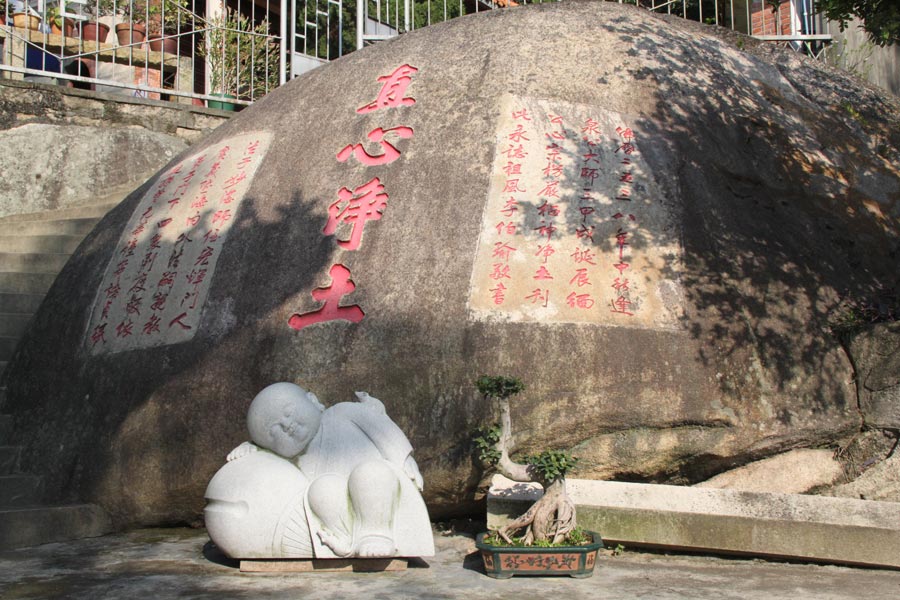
<point x="340" y="545"/>
<point x="373" y="546"/>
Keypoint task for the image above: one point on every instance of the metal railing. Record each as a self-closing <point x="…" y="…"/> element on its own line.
<point x="197" y="51"/>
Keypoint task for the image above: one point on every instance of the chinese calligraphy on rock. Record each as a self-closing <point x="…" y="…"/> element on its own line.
<point x="574" y="229"/>
<point x="156" y="283"/>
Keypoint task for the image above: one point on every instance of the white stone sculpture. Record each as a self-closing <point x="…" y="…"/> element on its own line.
<point x="318" y="483"/>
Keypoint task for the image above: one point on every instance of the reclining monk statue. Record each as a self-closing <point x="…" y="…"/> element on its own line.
<point x="318" y="483"/>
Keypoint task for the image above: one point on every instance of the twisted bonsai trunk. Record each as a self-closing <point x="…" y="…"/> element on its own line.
<point x="552" y="517"/>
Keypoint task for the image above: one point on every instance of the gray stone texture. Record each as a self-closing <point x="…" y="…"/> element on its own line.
<point x="54" y="166"/>
<point x="880" y="482"/>
<point x="875" y="353"/>
<point x="793" y="472"/>
<point x="783" y="198"/>
<point x="174" y="564"/>
<point x="62" y="146"/>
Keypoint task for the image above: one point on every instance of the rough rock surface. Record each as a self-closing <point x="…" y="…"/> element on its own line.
<point x="793" y="472"/>
<point x="46" y="167"/>
<point x="875" y="354"/>
<point x="766" y="185"/>
<point x="880" y="482"/>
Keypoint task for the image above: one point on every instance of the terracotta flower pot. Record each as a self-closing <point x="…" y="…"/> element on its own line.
<point x="68" y="28"/>
<point x="94" y="32"/>
<point x="26" y="21"/>
<point x="130" y="33"/>
<point x="167" y="45"/>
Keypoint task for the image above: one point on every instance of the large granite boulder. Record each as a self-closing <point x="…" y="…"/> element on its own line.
<point x="648" y="220"/>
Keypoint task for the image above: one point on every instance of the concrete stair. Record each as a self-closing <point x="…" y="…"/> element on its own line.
<point x="33" y="249"/>
<point x="23" y="520"/>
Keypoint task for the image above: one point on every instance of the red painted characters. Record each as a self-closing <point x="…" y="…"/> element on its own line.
<point x="355" y="207"/>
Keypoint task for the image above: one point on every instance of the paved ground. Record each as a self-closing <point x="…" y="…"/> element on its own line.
<point x="181" y="563"/>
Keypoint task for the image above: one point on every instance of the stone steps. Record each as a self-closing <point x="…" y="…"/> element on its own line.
<point x="20" y="303"/>
<point x="86" y="211"/>
<point x="31" y="262"/>
<point x="33" y="249"/>
<point x="13" y="324"/>
<point x="18" y="282"/>
<point x="9" y="459"/>
<point x="40" y="244"/>
<point x="75" y="226"/>
<point x="23" y="521"/>
<point x="19" y="489"/>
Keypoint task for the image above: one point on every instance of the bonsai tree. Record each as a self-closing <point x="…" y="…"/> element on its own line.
<point x="551" y="519"/>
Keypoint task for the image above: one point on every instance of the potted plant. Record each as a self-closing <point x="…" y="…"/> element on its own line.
<point x="59" y="24"/>
<point x="132" y="29"/>
<point x="551" y="543"/>
<point x="94" y="30"/>
<point x="241" y="58"/>
<point x="24" y="16"/>
<point x="169" y="23"/>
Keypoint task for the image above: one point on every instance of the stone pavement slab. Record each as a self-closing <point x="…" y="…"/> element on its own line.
<point x="181" y="563"/>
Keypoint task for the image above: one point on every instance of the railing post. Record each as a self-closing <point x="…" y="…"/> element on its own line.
<point x="361" y="6"/>
<point x="282" y="74"/>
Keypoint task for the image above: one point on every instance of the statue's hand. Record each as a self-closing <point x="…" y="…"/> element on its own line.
<point x="242" y="451"/>
<point x="412" y="471"/>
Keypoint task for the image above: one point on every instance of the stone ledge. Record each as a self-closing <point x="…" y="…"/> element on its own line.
<point x="816" y="528"/>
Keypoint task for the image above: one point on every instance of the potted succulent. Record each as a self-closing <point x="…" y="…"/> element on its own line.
<point x="551" y="543"/>
<point x="241" y="58"/>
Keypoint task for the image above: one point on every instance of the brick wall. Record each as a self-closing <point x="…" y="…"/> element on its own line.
<point x="765" y="21"/>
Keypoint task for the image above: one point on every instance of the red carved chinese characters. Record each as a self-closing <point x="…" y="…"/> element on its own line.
<point x="155" y="287"/>
<point x="364" y="203"/>
<point x="391" y="94"/>
<point x="331" y="295"/>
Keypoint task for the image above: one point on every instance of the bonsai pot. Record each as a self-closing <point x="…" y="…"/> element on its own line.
<point x="130" y="33"/>
<point x="502" y="562"/>
<point x="94" y="31"/>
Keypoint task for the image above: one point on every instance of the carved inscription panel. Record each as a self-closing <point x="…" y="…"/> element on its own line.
<point x="574" y="229"/>
<point x="157" y="280"/>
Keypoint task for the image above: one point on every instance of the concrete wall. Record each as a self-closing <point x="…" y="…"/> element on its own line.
<point x="852" y="51"/>
<point x="61" y="146"/>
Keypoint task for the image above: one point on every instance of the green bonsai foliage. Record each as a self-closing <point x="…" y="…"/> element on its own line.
<point x="552" y="464"/>
<point x="486" y="441"/>
<point x="499" y="387"/>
